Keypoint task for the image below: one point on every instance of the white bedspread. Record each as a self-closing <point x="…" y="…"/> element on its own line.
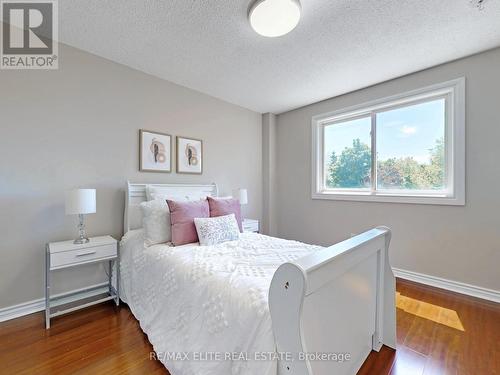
<point x="206" y="300"/>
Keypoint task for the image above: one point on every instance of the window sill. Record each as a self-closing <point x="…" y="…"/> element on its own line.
<point x="389" y="198"/>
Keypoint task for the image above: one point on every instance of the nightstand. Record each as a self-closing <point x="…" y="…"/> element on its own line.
<point x="66" y="254"/>
<point x="250" y="225"/>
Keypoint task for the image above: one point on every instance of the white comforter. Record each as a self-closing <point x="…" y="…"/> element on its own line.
<point x="206" y="302"/>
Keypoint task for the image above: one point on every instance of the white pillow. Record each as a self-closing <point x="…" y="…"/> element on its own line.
<point x="156" y="222"/>
<point x="214" y="230"/>
<point x="160" y="192"/>
<point x="149" y="192"/>
<point x="164" y="197"/>
<point x="156" y="192"/>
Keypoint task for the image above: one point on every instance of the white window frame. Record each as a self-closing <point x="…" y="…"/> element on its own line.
<point x="454" y="93"/>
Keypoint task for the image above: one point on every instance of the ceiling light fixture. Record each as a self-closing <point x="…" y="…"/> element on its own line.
<point x="274" y="18"/>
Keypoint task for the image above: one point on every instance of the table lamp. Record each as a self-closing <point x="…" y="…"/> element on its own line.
<point x="80" y="202"/>
<point x="243" y="196"/>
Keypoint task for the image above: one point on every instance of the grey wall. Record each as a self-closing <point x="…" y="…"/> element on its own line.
<point x="457" y="243"/>
<point x="269" y="174"/>
<point x="78" y="127"/>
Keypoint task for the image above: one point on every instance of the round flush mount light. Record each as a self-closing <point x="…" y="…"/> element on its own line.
<point x="273" y="18"/>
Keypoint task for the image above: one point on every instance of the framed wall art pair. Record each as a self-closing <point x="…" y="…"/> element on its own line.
<point x="155" y="153"/>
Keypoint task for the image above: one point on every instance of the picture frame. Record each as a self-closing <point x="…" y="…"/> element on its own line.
<point x="189" y="158"/>
<point x="155" y="151"/>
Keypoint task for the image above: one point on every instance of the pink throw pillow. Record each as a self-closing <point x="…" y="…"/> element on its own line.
<point x="182" y="216"/>
<point x="225" y="206"/>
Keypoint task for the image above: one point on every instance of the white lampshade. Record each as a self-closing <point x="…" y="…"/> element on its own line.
<point x="80" y="201"/>
<point x="243" y="196"/>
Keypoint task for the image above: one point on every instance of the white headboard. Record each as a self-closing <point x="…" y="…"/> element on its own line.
<point x="136" y="193"/>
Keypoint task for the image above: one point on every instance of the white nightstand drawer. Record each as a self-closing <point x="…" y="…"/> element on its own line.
<point x="83" y="255"/>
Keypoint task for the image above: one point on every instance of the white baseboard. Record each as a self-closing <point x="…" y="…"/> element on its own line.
<point x="37" y="305"/>
<point x="454" y="286"/>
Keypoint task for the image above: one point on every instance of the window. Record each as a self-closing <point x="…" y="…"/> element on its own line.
<point x="408" y="148"/>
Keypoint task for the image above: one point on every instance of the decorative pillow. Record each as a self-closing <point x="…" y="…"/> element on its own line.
<point x="156" y="222"/>
<point x="214" y="230"/>
<point x="225" y="206"/>
<point x="162" y="192"/>
<point x="164" y="197"/>
<point x="182" y="216"/>
<point x="156" y="192"/>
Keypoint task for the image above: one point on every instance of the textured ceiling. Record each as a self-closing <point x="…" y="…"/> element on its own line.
<point x="339" y="45"/>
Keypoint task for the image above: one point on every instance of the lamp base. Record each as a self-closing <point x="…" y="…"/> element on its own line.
<point x="83" y="234"/>
<point x="80" y="241"/>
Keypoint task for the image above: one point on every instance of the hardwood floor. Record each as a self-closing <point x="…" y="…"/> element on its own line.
<point x="438" y="333"/>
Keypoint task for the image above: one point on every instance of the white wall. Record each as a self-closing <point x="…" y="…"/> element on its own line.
<point x="78" y="127"/>
<point x="456" y="243"/>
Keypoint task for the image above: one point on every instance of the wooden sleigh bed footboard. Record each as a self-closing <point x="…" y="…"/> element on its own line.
<point x="331" y="308"/>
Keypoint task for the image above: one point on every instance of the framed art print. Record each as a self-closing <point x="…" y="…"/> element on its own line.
<point x="155" y="151"/>
<point x="189" y="155"/>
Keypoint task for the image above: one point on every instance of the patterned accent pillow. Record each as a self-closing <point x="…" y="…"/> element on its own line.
<point x="156" y="222"/>
<point x="214" y="230"/>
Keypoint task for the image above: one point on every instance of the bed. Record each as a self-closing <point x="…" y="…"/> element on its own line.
<point x="257" y="305"/>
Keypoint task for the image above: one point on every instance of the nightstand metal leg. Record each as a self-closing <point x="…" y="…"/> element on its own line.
<point x="117" y="263"/>
<point x="47" y="288"/>
<point x="110" y="278"/>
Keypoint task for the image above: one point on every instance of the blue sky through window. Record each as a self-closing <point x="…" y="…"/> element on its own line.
<point x="403" y="132"/>
<point x="410" y="131"/>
